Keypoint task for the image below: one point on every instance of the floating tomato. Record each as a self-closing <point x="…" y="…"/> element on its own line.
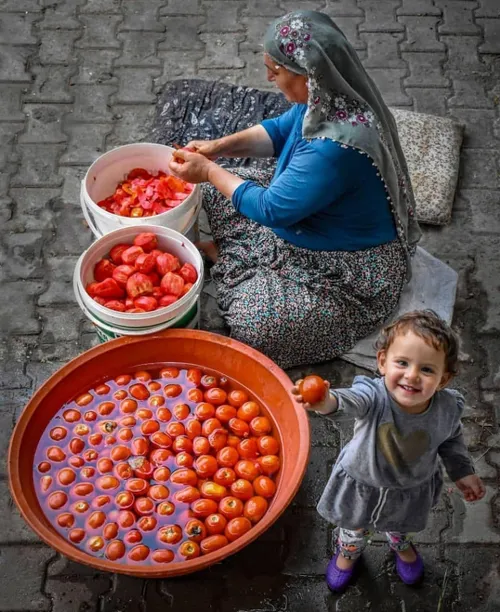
<point x="65" y="520"/>
<point x="189" y="550"/>
<point x="201" y="446"/>
<point x="165" y="508"/>
<point x="195" y="395"/>
<point x="202" y="508"/>
<point x="147" y="523"/>
<point x="213" y="543"/>
<point x="169" y="372"/>
<point x="231" y="507"/>
<point x="239" y="428"/>
<point x="139" y="553"/>
<point x="162" y="556"/>
<point x="66" y="476"/>
<point x="225" y="413"/>
<point x="187" y="495"/>
<point x="184" y="476"/>
<point x="115" y="550"/>
<point x="54" y="453"/>
<point x="175" y="429"/>
<point x="192" y="428"/>
<point x="225" y="476"/>
<point x="57" y="500"/>
<point x="195" y="530"/>
<point x="204" y="411"/>
<point x="215" y="523"/>
<point x="212" y="490"/>
<point x="268" y="445"/>
<point x="205" y="466"/>
<point x="242" y="489"/>
<point x="181" y="411"/>
<point x="247" y="469"/>
<point x="133" y="536"/>
<point x="269" y="464"/>
<point x="237" y="398"/>
<point x="264" y="486"/>
<point x="228" y="456"/>
<point x="170" y="534"/>
<point x="260" y="426"/>
<point x="158" y="492"/>
<point x="96" y="519"/>
<point x="237" y="527"/>
<point x="215" y="396"/>
<point x="255" y="508"/>
<point x="76" y="535"/>
<point x="248" y="448"/>
<point x="184" y="459"/>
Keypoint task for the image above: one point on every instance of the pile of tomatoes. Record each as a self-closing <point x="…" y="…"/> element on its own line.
<point x="157" y="469"/>
<point x="139" y="277"/>
<point x="143" y="194"/>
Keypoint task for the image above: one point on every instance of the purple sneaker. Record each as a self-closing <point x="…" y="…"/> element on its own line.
<point x="336" y="578"/>
<point x="410" y="573"/>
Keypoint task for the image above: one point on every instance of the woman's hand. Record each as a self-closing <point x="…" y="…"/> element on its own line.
<point x="472" y="487"/>
<point x="209" y="148"/>
<point x="194" y="167"/>
<point x="327" y="405"/>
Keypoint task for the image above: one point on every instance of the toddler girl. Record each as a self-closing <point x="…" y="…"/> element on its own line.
<point x="389" y="477"/>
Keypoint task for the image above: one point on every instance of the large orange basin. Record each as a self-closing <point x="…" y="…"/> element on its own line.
<point x="246" y="366"/>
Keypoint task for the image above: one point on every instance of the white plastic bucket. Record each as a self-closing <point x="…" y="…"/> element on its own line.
<point x="107" y="171"/>
<point x="168" y="240"/>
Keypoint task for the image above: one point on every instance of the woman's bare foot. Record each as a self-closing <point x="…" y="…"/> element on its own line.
<point x="209" y="249"/>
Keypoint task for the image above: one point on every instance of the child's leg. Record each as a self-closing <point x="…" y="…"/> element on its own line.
<point x="400" y="543"/>
<point x="352" y="542"/>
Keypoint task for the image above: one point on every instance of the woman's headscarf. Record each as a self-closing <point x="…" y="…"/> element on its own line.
<point x="345" y="105"/>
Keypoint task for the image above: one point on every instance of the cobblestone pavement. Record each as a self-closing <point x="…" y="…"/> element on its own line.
<point x="78" y="77"/>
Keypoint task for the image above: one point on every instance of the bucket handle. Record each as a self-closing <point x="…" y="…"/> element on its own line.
<point x="87" y="216"/>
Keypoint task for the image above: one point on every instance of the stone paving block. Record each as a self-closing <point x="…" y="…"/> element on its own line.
<point x="7" y="426"/>
<point x="25" y="587"/>
<point x="463" y="56"/>
<point x="13" y="61"/>
<point x="95" y="67"/>
<point x="141" y="15"/>
<point x="182" y="33"/>
<point x="16" y="28"/>
<point x="44" y="123"/>
<point x="383" y="50"/>
<point x="431" y="101"/>
<point x="488" y="268"/>
<point x="39" y="372"/>
<point x="262" y="8"/>
<point x="177" y="64"/>
<point x="99" y="31"/>
<point x="138" y="49"/>
<point x="182" y="7"/>
<point x="57" y="352"/>
<point x="132" y="124"/>
<point x="487" y="8"/>
<point x="58" y="324"/>
<point x="13" y="527"/>
<point x="61" y="15"/>
<point x="51" y="84"/>
<point x="258" y="595"/>
<point x="421" y="34"/>
<point x="425" y="70"/>
<point x="478" y="124"/>
<point x="418" y="7"/>
<point x="38" y="166"/>
<point x="221" y="51"/>
<point x="469" y="92"/>
<point x="20" y="6"/>
<point x="102" y="6"/>
<point x="389" y="81"/>
<point x="321" y="461"/>
<point x="350" y="27"/>
<point x="221" y="16"/>
<point x="8" y="133"/>
<point x="22" y="254"/>
<point x="60" y="286"/>
<point x="91" y="103"/>
<point x="380" y="17"/>
<point x="135" y="85"/>
<point x="86" y="143"/>
<point x="58" y="48"/>
<point x="72" y="177"/>
<point x="477" y="575"/>
<point x="479" y="169"/>
<point x="255" y="28"/>
<point x="254" y="72"/>
<point x="458" y="17"/>
<point x="324" y="432"/>
<point x="72" y="235"/>
<point x="491" y="29"/>
<point x="10" y="102"/>
<point x="17" y="314"/>
<point x="131" y="594"/>
<point x="484" y="469"/>
<point x="308" y="538"/>
<point x="473" y="522"/>
<point x="492" y="350"/>
<point x="298" y="5"/>
<point x="343" y="8"/>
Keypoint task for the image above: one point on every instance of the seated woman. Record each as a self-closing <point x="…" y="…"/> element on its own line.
<point x="314" y="259"/>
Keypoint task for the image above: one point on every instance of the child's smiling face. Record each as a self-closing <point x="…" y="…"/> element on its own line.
<point x="414" y="370"/>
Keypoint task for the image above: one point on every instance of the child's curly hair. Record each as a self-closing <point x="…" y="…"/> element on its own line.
<point x="431" y="328"/>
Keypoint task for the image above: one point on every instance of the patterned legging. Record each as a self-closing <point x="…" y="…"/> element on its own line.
<point x="352" y="542"/>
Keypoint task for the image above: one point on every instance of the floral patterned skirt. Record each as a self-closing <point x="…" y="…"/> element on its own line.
<point x="296" y="305"/>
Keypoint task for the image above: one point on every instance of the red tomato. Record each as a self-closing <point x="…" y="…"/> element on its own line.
<point x="204" y="411"/>
<point x="186" y="289"/>
<point x="125" y="500"/>
<point x="158" y="492"/>
<point x="269" y="464"/>
<point x="181" y="411"/>
<point x="228" y="456"/>
<point x="164" y="415"/>
<point x="208" y="381"/>
<point x="162" y="556"/>
<point x="206" y="466"/>
<point x="146" y="240"/>
<point x="225" y="413"/>
<point x="248" y="411"/>
<point x="66" y="520"/>
<point x="264" y="486"/>
<point x="165" y="508"/>
<point x="138" y="284"/>
<point x="194" y="375"/>
<point x="247" y="469"/>
<point x="161" y="439"/>
<point x="170" y="534"/>
<point x="195" y="530"/>
<point x="239" y="428"/>
<point x="149" y="427"/>
<point x="109" y="289"/>
<point x="175" y="428"/>
<point x="237" y="527"/>
<point x="188" y="273"/>
<point x="167" y="300"/>
<point x="147" y="523"/>
<point x="90" y="289"/>
<point x="312" y="388"/>
<point x="71" y="416"/>
<point x="215" y="396"/>
<point x="54" y="453"/>
<point x="187" y="494"/>
<point x="237" y="398"/>
<point x="225" y="476"/>
<point x="255" y="508"/>
<point x="139" y="553"/>
<point x="213" y="543"/>
<point x="103" y="269"/>
<point x="172" y="390"/>
<point x="172" y="284"/>
<point x="189" y="550"/>
<point x="116" y="253"/>
<point x="260" y="426"/>
<point x="147" y="303"/>
<point x="248" y="448"/>
<point x="242" y="489"/>
<point x="201" y="446"/>
<point x="76" y="535"/>
<point x="217" y="438"/>
<point x="145" y="263"/>
<point x="184" y="459"/>
<point x="268" y="445"/>
<point x="144" y="505"/>
<point x="131" y="254"/>
<point x="161" y="474"/>
<point x="115" y="550"/>
<point x="202" y="508"/>
<point x="215" y="523"/>
<point x="166" y="262"/>
<point x="212" y="490"/>
<point x="133" y="536"/>
<point x="66" y="476"/>
<point x="182" y="444"/>
<point x="184" y="476"/>
<point x="121" y="274"/>
<point x="193" y="428"/>
<point x="230" y="507"/>
<point x="57" y="500"/>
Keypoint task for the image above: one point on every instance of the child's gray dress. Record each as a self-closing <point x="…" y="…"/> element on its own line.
<point x="388" y="477"/>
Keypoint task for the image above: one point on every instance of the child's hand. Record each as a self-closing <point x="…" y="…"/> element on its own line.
<point x="326" y="406"/>
<point x="472" y="487"/>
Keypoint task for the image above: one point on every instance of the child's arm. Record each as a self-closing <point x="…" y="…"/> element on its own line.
<point x="355" y="401"/>
<point x="459" y="466"/>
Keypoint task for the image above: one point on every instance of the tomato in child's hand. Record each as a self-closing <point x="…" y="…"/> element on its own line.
<point x="312" y="389"/>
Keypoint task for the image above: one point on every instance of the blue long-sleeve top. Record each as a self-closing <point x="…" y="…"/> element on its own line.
<point x="323" y="196"/>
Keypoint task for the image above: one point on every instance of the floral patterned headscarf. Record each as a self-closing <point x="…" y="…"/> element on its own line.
<point x="345" y="105"/>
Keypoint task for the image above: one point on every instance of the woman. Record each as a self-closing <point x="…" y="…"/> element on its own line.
<point x="314" y="259"/>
